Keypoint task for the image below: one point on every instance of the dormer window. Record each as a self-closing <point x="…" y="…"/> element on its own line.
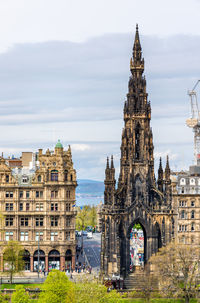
<point x="25" y="179"/>
<point x="39" y="178"/>
<point x="7" y="179"/>
<point x="182" y="181"/>
<point x="192" y="181"/>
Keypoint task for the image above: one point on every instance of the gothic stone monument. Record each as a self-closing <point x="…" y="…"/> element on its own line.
<point x="137" y="198"/>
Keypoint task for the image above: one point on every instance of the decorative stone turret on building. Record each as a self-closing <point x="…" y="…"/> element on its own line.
<point x="136" y="199"/>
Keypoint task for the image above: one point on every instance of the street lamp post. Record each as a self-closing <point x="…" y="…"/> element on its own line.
<point x="38" y="255"/>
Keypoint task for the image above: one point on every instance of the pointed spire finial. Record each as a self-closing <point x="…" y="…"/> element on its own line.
<point x="160" y="164"/>
<point x="107" y="165"/>
<point x="167" y="163"/>
<point x="137" y="45"/>
<point x="112" y="163"/>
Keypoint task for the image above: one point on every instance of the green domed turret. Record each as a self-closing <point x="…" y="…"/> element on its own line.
<point x="59" y="145"/>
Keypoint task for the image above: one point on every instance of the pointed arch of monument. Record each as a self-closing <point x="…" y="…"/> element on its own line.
<point x="145" y="230"/>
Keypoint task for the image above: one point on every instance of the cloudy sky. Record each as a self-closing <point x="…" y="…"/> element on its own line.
<point x="64" y="69"/>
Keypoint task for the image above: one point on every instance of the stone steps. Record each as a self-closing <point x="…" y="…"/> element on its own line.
<point x="139" y="281"/>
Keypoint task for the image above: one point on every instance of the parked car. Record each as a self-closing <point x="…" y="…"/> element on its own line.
<point x="84" y="233"/>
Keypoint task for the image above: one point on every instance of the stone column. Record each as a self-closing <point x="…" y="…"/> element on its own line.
<point x="73" y="262"/>
<point x="62" y="263"/>
<point x="46" y="264"/>
<point x="31" y="263"/>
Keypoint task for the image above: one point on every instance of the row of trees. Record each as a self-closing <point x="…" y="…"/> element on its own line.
<point x="86" y="216"/>
<point x="58" y="289"/>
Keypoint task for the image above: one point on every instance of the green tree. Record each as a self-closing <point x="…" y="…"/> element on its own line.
<point x="93" y="216"/>
<point x="57" y="289"/>
<point x="20" y="295"/>
<point x="13" y="258"/>
<point x="3" y="298"/>
<point x="87" y="216"/>
<point x="82" y="218"/>
<point x="176" y="267"/>
<point x="92" y="292"/>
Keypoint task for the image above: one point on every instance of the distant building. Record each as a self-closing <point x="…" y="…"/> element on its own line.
<point x="99" y="216"/>
<point x="37" y="196"/>
<point x="186" y="203"/>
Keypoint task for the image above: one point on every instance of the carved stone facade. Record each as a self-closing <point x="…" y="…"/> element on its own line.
<point x="38" y="209"/>
<point x="137" y="198"/>
<point x="186" y="203"/>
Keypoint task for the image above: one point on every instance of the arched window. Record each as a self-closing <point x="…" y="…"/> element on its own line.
<point x="54" y="175"/>
<point x="66" y="175"/>
<point x="192" y="214"/>
<point x="39" y="178"/>
<point x="192" y="227"/>
<point x="7" y="179"/>
<point x="71" y="177"/>
<point x="137" y="142"/>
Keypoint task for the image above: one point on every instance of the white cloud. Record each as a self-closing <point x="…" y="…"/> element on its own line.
<point x="80" y="147"/>
<point x="76" y="92"/>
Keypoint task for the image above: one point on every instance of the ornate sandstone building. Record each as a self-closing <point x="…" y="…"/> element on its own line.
<point x="137" y="199"/>
<point x="37" y="203"/>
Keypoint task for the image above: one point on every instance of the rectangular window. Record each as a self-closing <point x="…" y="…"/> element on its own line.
<point x="9" y="236"/>
<point x="21" y="194"/>
<point x="54" y="236"/>
<point x="68" y="221"/>
<point x="68" y="235"/>
<point x="54" y="194"/>
<point x="20" y="206"/>
<point x="9" y="221"/>
<point x="24" y="236"/>
<point x="39" y="221"/>
<point x="39" y="194"/>
<point x="54" y="221"/>
<point x="9" y="206"/>
<point x="24" y="221"/>
<point x="39" y="236"/>
<point x="27" y="206"/>
<point x="39" y="207"/>
<point x="9" y="194"/>
<point x="68" y="207"/>
<point x="27" y="194"/>
<point x="68" y="194"/>
<point x="54" y="206"/>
